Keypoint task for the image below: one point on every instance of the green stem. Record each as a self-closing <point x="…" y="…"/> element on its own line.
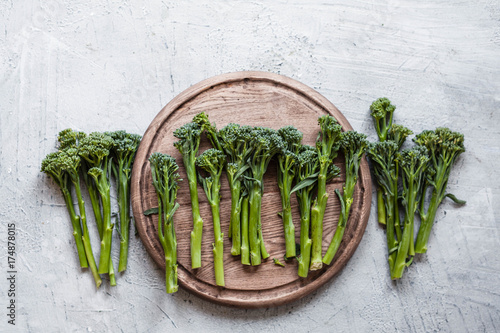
<point x="285" y="186"/>
<point x="235" y="231"/>
<point x="86" y="236"/>
<point x="381" y="206"/>
<point x="196" y="234"/>
<point x="426" y="222"/>
<point x="96" y="205"/>
<point x="305" y="242"/>
<point x="317" y="216"/>
<point x="124" y="211"/>
<point x="391" y="240"/>
<point x="218" y="246"/>
<point x="105" y="256"/>
<point x="77" y="229"/>
<point x="404" y="243"/>
<point x="245" y="251"/>
<point x="253" y="223"/>
<point x="170" y="250"/>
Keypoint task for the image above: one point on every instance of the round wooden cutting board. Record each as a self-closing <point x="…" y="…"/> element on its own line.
<point x="257" y="99"/>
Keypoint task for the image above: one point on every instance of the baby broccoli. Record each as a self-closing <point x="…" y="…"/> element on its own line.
<point x="165" y="181"/>
<point x="413" y="163"/>
<point x="384" y="157"/>
<point x="95" y="150"/>
<point x="307" y="170"/>
<point x="353" y="145"/>
<point x="123" y="152"/>
<point x="444" y="148"/>
<point x="327" y="145"/>
<point x="382" y="112"/>
<point x="235" y="142"/>
<point x="64" y="167"/>
<point x="265" y="143"/>
<point x="212" y="162"/>
<point x="287" y="161"/>
<point x="188" y="145"/>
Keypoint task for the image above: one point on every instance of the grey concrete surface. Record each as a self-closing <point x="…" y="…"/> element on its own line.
<point x="107" y="65"/>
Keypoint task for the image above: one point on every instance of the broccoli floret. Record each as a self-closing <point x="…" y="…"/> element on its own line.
<point x="327" y="145"/>
<point x="235" y="143"/>
<point x="165" y="181"/>
<point x="287" y="161"/>
<point x="64" y="167"/>
<point x="382" y="112"/>
<point x="444" y="148"/>
<point x="95" y="150"/>
<point x="413" y="163"/>
<point x="307" y="170"/>
<point x="123" y="152"/>
<point x="212" y="162"/>
<point x="188" y="145"/>
<point x="264" y="144"/>
<point x="398" y="134"/>
<point x="210" y="129"/>
<point x="353" y="145"/>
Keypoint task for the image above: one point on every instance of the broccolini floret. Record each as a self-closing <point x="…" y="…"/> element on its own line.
<point x="382" y="112"/>
<point x="444" y="148"/>
<point x="413" y="163"/>
<point x="123" y="152"/>
<point x="327" y="145"/>
<point x="287" y="162"/>
<point x="165" y="181"/>
<point x="188" y="145"/>
<point x="212" y="162"/>
<point x="353" y="145"/>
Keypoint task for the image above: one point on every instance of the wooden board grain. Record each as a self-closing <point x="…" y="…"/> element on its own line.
<point x="250" y="98"/>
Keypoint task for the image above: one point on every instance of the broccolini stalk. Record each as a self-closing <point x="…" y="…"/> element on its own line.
<point x="382" y="112"/>
<point x="413" y="163"/>
<point x="212" y="162"/>
<point x="235" y="142"/>
<point x="165" y="181"/>
<point x="124" y="147"/>
<point x="444" y="148"/>
<point x="327" y="145"/>
<point x="188" y="144"/>
<point x="244" y="215"/>
<point x="72" y="161"/>
<point x="354" y="145"/>
<point x="307" y="170"/>
<point x="384" y="157"/>
<point x="53" y="166"/>
<point x="71" y="139"/>
<point x="95" y="150"/>
<point x="287" y="161"/>
<point x="265" y="143"/>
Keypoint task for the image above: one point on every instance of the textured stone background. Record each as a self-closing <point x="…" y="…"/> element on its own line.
<point x="114" y="65"/>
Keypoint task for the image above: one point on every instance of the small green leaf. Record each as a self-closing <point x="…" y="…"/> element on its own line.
<point x="151" y="211"/>
<point x="306" y="182"/>
<point x="455" y="199"/>
<point x="277" y="262"/>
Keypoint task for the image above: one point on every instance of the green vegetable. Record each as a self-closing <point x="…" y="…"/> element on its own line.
<point x="327" y="145"/>
<point x="382" y="112"/>
<point x="212" y="162"/>
<point x="278" y="263"/>
<point x="165" y="181"/>
<point x="123" y="151"/>
<point x="264" y="143"/>
<point x="95" y="150"/>
<point x="353" y="145"/>
<point x="63" y="167"/>
<point x="235" y="142"/>
<point x="413" y="163"/>
<point x="307" y="170"/>
<point x="287" y="161"/>
<point x="444" y="148"/>
<point x="188" y="144"/>
<point x="384" y="157"/>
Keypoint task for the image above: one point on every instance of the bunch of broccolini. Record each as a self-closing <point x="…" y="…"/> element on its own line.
<point x="414" y="170"/>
